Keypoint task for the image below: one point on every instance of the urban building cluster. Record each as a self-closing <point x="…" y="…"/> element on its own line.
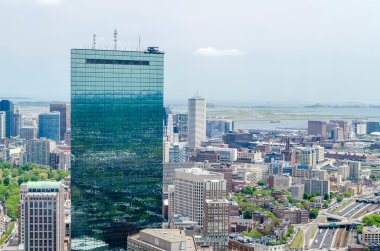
<point x="42" y="139"/>
<point x="148" y="177"/>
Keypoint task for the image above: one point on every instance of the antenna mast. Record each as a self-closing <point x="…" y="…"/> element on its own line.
<point x="115" y="40"/>
<point x="94" y="41"/>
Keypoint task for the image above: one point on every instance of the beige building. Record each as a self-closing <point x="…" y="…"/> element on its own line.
<point x="201" y="196"/>
<point x="161" y="240"/>
<point x="42" y="216"/>
<point x="282" y="182"/>
<point x="371" y="235"/>
<point x="192" y="187"/>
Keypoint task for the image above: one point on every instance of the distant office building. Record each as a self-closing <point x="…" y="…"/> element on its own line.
<point x="116" y="144"/>
<point x="16" y="122"/>
<point x="359" y="127"/>
<point x="288" y="154"/>
<point x="317" y="128"/>
<point x="64" y="110"/>
<point x="60" y="159"/>
<point x="344" y="171"/>
<point x="373" y="127"/>
<point x="177" y="153"/>
<point x="38" y="151"/>
<point x="196" y="121"/>
<point x="169" y="130"/>
<point x="49" y="126"/>
<point x="68" y="137"/>
<point x="41" y="216"/>
<point x="238" y="139"/>
<point x="320" y="187"/>
<point x="209" y="155"/>
<point x="8" y="107"/>
<point x="319" y="174"/>
<point x="297" y="191"/>
<point x="216" y="128"/>
<point x="344" y="125"/>
<point x="355" y="167"/>
<point x="181" y="125"/>
<point x="280" y="182"/>
<point x="338" y="134"/>
<point x="3" y="125"/>
<point x="306" y="156"/>
<point x="28" y="132"/>
<point x="161" y="240"/>
<point x="280" y="167"/>
<point x="300" y="171"/>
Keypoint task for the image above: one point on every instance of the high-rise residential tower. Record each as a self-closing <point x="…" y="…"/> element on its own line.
<point x="116" y="143"/>
<point x="8" y="107"/>
<point x="49" y="125"/>
<point x="64" y="110"/>
<point x="196" y="121"/>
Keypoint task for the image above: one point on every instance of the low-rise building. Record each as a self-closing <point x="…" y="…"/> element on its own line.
<point x="296" y="216"/>
<point x="297" y="191"/>
<point x="371" y="235"/>
<point x="161" y="240"/>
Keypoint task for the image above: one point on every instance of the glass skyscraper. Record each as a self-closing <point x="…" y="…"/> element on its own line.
<point x="8" y="107"/>
<point x="116" y="143"/>
<point x="49" y="125"/>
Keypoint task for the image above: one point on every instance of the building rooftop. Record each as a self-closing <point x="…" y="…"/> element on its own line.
<point x="165" y="239"/>
<point x="371" y="230"/>
<point x="44" y="185"/>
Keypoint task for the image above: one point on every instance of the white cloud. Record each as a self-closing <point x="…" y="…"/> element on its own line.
<point x="210" y="51"/>
<point x="48" y="2"/>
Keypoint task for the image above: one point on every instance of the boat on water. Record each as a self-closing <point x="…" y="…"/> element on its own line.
<point x="275" y="121"/>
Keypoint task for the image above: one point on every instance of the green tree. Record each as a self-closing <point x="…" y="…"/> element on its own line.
<point x="314" y="213"/>
<point x="247" y="215"/>
<point x="359" y="229"/>
<point x="326" y="197"/>
<point x="249" y="190"/>
<point x="261" y="183"/>
<point x="347" y="194"/>
<point x="6" y="181"/>
<point x="339" y="198"/>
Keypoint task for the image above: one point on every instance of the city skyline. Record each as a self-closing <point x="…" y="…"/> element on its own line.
<point x="248" y="46"/>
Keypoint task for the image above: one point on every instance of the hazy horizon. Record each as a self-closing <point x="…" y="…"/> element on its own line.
<point x="233" y="52"/>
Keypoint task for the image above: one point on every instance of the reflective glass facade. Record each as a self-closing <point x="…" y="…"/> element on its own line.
<point x="49" y="125"/>
<point x="8" y="107"/>
<point x="116" y="143"/>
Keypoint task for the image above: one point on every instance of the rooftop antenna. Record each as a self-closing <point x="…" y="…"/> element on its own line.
<point x="94" y="41"/>
<point x="115" y="40"/>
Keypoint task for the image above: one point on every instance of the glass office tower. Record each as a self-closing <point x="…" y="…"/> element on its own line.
<point x="49" y="125"/>
<point x="116" y="143"/>
<point x="8" y="107"/>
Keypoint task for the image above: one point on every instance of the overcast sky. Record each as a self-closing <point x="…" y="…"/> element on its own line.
<point x="242" y="51"/>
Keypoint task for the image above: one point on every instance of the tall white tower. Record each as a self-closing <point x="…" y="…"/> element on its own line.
<point x="196" y="124"/>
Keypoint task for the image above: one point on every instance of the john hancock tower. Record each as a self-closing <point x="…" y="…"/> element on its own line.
<point x="117" y="132"/>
